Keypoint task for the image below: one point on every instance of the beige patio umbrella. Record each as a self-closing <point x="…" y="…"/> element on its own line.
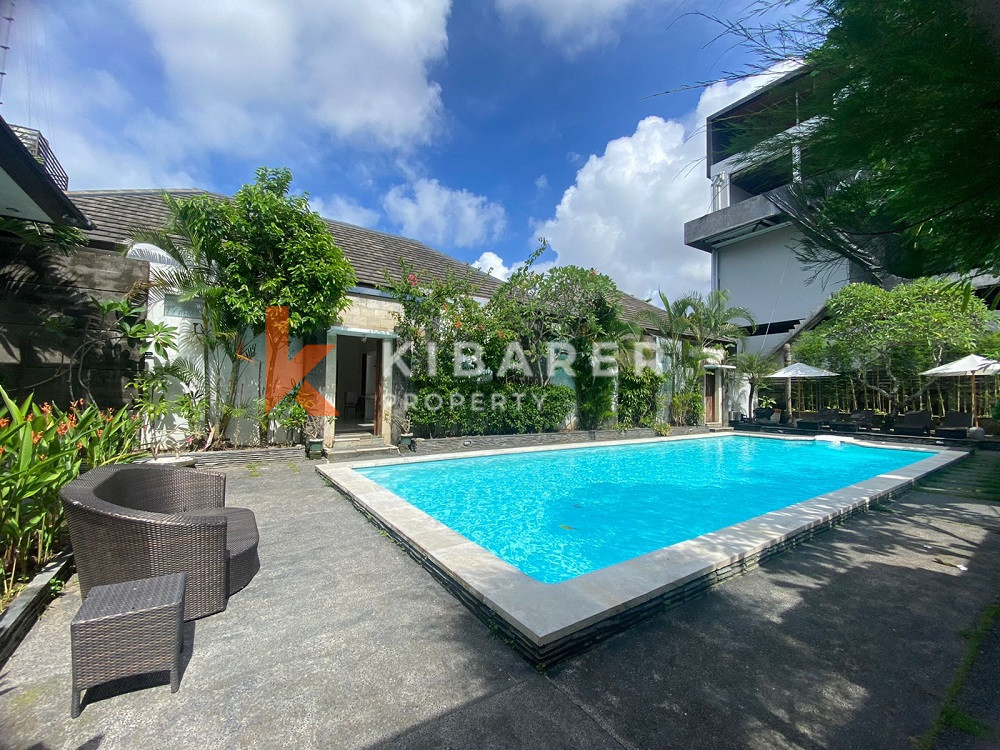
<point x="800" y="371"/>
<point x="970" y="365"/>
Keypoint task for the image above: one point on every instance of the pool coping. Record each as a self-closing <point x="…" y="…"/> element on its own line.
<point x="547" y="622"/>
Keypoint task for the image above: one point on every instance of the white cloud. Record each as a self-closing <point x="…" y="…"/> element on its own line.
<point x="625" y="213"/>
<point x="438" y="215"/>
<point x="491" y="263"/>
<point x="342" y="208"/>
<point x="242" y="78"/>
<point x="248" y="72"/>
<point x="575" y="25"/>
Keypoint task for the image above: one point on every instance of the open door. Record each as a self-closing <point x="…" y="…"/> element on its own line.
<point x="372" y="384"/>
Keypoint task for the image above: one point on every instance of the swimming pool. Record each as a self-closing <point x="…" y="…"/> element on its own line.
<point x="556" y="548"/>
<point x="558" y="514"/>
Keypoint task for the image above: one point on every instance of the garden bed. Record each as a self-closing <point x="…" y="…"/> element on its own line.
<point x="28" y="605"/>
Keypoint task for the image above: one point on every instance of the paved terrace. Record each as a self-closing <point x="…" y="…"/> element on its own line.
<point x="342" y="641"/>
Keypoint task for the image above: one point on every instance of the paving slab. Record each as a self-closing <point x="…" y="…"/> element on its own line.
<point x="343" y="641"/>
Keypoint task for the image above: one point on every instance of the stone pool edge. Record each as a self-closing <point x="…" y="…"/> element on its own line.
<point x="549" y="622"/>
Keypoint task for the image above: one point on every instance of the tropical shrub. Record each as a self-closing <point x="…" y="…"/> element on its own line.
<point x="41" y="449"/>
<point x="638" y="397"/>
<point x="452" y="410"/>
<point x="687" y="408"/>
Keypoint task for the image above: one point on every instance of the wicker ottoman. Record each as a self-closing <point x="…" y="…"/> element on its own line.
<point x="128" y="629"/>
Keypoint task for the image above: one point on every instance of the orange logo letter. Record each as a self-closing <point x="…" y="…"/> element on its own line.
<point x="283" y="374"/>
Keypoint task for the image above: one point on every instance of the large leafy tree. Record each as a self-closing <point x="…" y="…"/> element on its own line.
<point x="279" y="252"/>
<point x="572" y="304"/>
<point x="886" y="338"/>
<point x="898" y="132"/>
<point x="235" y="258"/>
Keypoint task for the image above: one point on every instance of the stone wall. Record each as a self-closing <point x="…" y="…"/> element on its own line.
<point x="429" y="446"/>
<point x="45" y="307"/>
<point x="370" y="314"/>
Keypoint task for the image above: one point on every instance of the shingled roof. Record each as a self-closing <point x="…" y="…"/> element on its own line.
<point x="116" y="214"/>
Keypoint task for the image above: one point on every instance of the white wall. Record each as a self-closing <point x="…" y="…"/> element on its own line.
<point x="762" y="273"/>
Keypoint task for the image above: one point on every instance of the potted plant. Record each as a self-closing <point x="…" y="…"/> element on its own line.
<point x="314" y="437"/>
<point x="405" y="435"/>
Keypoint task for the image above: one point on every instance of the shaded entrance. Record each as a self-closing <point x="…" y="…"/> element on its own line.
<point x="710" y="415"/>
<point x="359" y="385"/>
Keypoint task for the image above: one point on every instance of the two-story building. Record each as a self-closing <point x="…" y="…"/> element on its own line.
<point x="751" y="240"/>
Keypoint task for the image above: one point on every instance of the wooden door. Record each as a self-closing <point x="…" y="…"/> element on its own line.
<point x="710" y="416"/>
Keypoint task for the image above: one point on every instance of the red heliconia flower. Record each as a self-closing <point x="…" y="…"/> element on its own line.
<point x="4" y="423"/>
<point x="458" y="324"/>
<point x="46" y="408"/>
<point x="100" y="432"/>
<point x="63" y="428"/>
<point x="36" y="437"/>
<point x="412" y="278"/>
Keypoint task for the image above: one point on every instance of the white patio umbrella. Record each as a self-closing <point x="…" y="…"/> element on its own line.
<point x="800" y="370"/>
<point x="970" y="365"/>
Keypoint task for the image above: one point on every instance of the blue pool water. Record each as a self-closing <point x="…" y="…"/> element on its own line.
<point x="558" y="514"/>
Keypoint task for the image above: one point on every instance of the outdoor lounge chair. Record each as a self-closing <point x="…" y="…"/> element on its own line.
<point x="133" y="521"/>
<point x="763" y="415"/>
<point x="914" y="423"/>
<point x="957" y="425"/>
<point x="808" y="420"/>
<point x="859" y="420"/>
<point x="844" y="424"/>
<point x="864" y="419"/>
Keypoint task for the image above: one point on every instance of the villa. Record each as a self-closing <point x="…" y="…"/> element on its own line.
<point x="353" y="376"/>
<point x="541" y="587"/>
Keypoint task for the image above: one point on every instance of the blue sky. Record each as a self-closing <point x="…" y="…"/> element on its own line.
<point x="474" y="126"/>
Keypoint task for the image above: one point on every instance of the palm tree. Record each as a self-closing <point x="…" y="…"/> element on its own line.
<point x="754" y="367"/>
<point x="712" y="319"/>
<point x="189" y="260"/>
<point x="674" y="326"/>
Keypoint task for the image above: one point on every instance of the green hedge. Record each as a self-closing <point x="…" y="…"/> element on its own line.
<point x="638" y="398"/>
<point x="449" y="411"/>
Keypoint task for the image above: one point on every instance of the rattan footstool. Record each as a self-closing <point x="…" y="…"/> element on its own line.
<point x="128" y="629"/>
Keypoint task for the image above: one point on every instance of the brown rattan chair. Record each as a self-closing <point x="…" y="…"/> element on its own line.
<point x="134" y="521"/>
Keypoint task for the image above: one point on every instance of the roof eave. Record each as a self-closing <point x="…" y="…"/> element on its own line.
<point x="24" y="170"/>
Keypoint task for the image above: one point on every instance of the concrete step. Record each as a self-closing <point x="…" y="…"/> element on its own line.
<point x="341" y="453"/>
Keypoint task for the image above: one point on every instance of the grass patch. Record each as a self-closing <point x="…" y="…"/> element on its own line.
<point x="958" y="719"/>
<point x="950" y="715"/>
<point x="293" y="467"/>
<point x="253" y="469"/>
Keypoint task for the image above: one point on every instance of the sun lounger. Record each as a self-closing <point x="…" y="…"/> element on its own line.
<point x="956" y="424"/>
<point x="914" y="423"/>
<point x="808" y="420"/>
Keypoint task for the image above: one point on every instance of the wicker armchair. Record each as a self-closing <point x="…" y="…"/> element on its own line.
<point x="137" y="521"/>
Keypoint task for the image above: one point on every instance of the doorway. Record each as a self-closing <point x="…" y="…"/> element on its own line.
<point x="359" y="385"/>
<point x="710" y="415"/>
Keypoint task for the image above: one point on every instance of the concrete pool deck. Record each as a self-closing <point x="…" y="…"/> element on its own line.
<point x="342" y="641"/>
<point x="547" y="622"/>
